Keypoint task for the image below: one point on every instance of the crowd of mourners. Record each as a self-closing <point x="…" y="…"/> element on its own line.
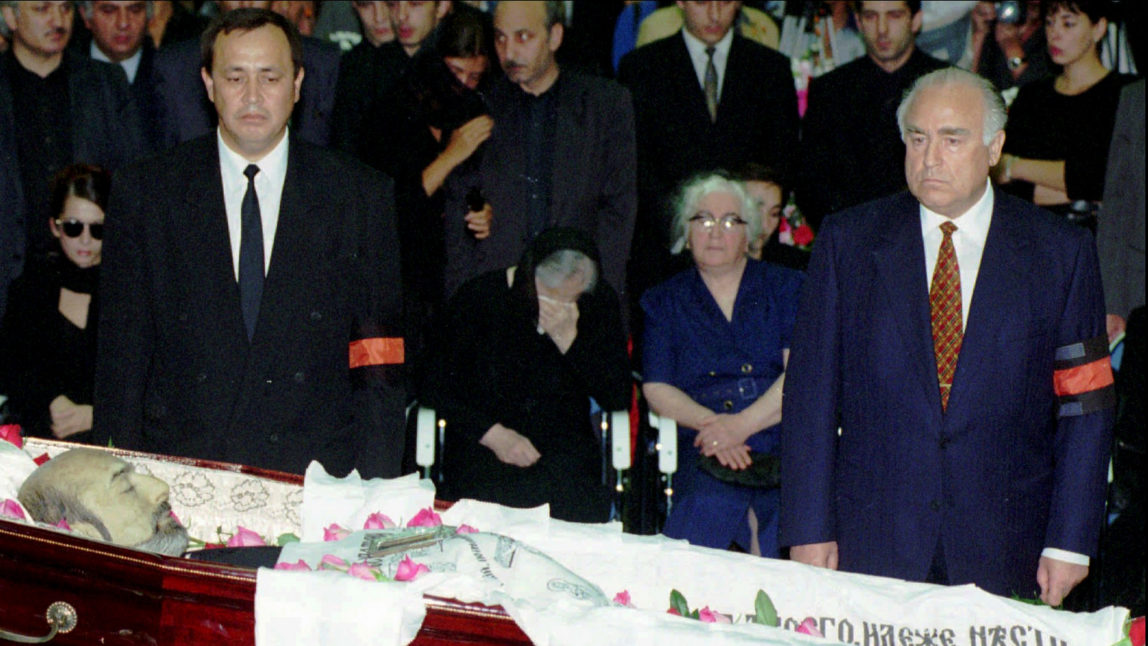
<point x="523" y="213"/>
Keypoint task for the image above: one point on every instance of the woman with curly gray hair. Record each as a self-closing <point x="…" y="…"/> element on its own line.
<point x="714" y="352"/>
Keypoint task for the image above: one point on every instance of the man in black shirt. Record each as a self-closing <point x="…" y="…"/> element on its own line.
<point x="57" y="108"/>
<point x="851" y="151"/>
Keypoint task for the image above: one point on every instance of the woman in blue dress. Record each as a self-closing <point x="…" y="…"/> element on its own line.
<point x="714" y="352"/>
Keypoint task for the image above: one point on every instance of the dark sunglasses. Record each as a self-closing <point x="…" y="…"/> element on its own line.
<point x="74" y="228"/>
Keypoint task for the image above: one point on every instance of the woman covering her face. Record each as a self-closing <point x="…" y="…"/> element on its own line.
<point x="49" y="335"/>
<point x="714" y="353"/>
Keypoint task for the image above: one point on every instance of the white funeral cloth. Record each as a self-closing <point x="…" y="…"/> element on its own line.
<point x="849" y="608"/>
<point x="349" y="501"/>
<point x="332" y="608"/>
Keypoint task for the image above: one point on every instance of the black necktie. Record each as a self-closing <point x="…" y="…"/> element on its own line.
<point x="250" y="254"/>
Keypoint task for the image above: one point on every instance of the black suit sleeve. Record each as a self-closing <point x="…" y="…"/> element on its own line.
<point x="376" y="345"/>
<point x="126" y="337"/>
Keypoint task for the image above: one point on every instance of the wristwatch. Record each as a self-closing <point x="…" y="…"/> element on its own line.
<point x="1015" y="62"/>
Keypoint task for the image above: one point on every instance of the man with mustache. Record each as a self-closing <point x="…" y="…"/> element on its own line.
<point x="562" y="153"/>
<point x="56" y="108"/>
<point x="252" y="283"/>
<point x="851" y="151"/>
<point x="103" y="498"/>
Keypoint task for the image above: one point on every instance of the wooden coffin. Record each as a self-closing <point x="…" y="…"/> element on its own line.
<point x="125" y="596"/>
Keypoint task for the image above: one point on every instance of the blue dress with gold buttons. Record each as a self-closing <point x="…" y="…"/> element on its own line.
<point x="724" y="366"/>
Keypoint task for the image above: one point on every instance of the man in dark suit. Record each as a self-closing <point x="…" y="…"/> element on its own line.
<point x="851" y="151"/>
<point x="117" y="33"/>
<point x="56" y="108"/>
<point x="750" y="117"/>
<point x="561" y="154"/>
<point x="948" y="400"/>
<point x="251" y="295"/>
<point x="187" y="113"/>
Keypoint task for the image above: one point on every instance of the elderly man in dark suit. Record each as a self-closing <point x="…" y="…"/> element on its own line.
<point x="251" y="295"/>
<point x="948" y="404"/>
<point x="56" y="108"/>
<point x="187" y="113"/>
<point x="704" y="99"/>
<point x="561" y="154"/>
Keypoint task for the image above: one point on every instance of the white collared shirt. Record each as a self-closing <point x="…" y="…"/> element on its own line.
<point x="130" y="65"/>
<point x="698" y="57"/>
<point x="969" y="245"/>
<point x="268" y="188"/>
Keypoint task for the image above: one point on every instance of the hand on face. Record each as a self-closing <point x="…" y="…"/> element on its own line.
<point x="559" y="320"/>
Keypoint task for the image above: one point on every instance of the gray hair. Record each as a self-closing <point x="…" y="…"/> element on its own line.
<point x="995" y="114"/>
<point x="693" y="190"/>
<point x="85" y="6"/>
<point x="560" y="266"/>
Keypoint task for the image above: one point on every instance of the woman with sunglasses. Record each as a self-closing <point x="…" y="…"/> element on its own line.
<point x="713" y="358"/>
<point x="49" y="334"/>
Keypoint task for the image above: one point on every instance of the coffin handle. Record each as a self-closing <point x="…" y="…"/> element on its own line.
<point x="61" y="618"/>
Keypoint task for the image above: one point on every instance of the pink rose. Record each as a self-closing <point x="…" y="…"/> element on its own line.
<point x="465" y="529"/>
<point x="623" y="599"/>
<point x="364" y="571"/>
<point x="11" y="433"/>
<point x="425" y="518"/>
<point x="334" y="532"/>
<point x="379" y="520"/>
<point x="809" y="627"/>
<point x="408" y="570"/>
<point x="244" y="537"/>
<point x="12" y="509"/>
<point x="63" y="524"/>
<point x="332" y="562"/>
<point x="298" y="565"/>
<point x="711" y="617"/>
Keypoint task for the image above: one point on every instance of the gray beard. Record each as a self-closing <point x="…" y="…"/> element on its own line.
<point x="170" y="538"/>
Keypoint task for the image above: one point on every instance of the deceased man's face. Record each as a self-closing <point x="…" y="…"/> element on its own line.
<point x="102" y="497"/>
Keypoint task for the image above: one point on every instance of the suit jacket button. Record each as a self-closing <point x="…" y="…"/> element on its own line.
<point x="746" y="368"/>
<point x="298" y="377"/>
<point x="201" y="377"/>
<point x="273" y="438"/>
<point x="727" y="404"/>
<point x="316" y="316"/>
<point x="935" y="505"/>
<point x="183" y="317"/>
<point x="712" y="373"/>
<point x="944" y="442"/>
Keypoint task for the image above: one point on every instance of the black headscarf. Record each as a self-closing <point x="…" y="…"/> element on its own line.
<point x="549" y="242"/>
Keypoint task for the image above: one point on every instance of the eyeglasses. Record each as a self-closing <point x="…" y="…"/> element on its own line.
<point x="75" y="228"/>
<point x="708" y="222"/>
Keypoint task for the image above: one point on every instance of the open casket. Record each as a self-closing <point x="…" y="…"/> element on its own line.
<point x="124" y="596"/>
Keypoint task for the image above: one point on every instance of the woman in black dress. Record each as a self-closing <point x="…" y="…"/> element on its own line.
<point x="521" y="352"/>
<point x="1056" y="141"/>
<point x="49" y="334"/>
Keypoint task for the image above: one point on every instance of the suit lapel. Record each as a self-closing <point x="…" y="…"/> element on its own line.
<point x="680" y="72"/>
<point x="208" y="243"/>
<point x="900" y="261"/>
<point x="995" y="293"/>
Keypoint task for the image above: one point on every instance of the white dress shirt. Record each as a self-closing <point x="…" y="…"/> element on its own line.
<point x="130" y="65"/>
<point x="268" y="188"/>
<point x="698" y="57"/>
<point x="969" y="246"/>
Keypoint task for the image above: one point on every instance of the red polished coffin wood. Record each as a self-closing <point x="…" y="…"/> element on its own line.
<point x="126" y="597"/>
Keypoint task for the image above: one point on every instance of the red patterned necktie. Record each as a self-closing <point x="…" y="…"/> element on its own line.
<point x="945" y="310"/>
